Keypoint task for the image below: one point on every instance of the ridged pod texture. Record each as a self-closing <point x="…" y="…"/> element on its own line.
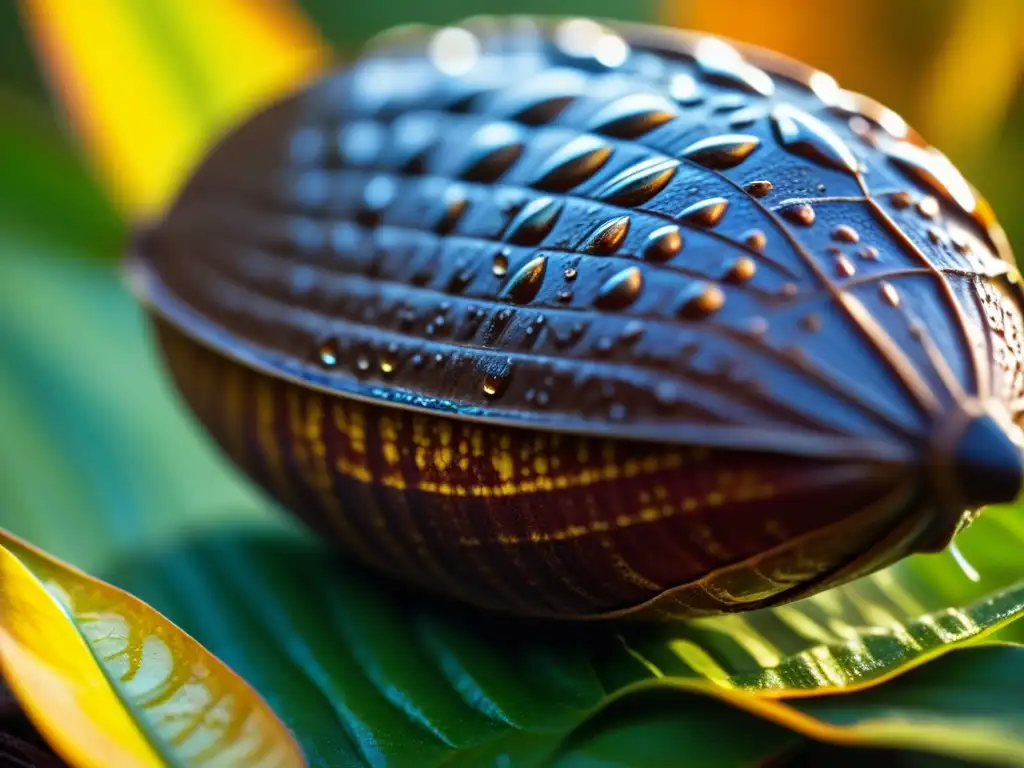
<point x="572" y="320"/>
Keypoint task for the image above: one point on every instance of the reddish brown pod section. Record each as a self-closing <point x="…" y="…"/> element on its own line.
<point x="577" y="320"/>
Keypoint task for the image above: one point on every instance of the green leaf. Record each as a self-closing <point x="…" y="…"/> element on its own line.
<point x="112" y="475"/>
<point x="401" y="680"/>
<point x="965" y="705"/>
<point x="45" y="188"/>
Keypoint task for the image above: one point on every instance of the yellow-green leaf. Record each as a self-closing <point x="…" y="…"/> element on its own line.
<point x="954" y="707"/>
<point x="110" y="682"/>
<point x="147" y="83"/>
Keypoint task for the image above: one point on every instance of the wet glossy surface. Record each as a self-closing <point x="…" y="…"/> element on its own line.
<point x="459" y="210"/>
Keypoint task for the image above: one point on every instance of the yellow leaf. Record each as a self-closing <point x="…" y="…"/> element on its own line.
<point x="110" y="682"/>
<point x="147" y="83"/>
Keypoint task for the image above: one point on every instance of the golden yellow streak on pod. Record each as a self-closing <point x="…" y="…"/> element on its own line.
<point x="109" y="681"/>
<point x="147" y="84"/>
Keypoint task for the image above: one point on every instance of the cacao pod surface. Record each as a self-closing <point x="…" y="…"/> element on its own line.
<point x="576" y="320"/>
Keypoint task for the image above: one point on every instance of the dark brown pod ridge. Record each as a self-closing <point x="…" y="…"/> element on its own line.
<point x="568" y="343"/>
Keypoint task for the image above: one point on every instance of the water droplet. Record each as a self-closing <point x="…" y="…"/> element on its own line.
<point x="534" y="222"/>
<point x="960" y="242"/>
<point x="570" y="273"/>
<point x="758" y="188"/>
<point x="756" y="240"/>
<point x="845" y="234"/>
<point x="542" y="97"/>
<point x="620" y="290"/>
<point x="788" y="291"/>
<point x="730" y="102"/>
<point x="742" y="270"/>
<point x="378" y="194"/>
<point x="500" y="266"/>
<point x="542" y="398"/>
<point x="638" y="183"/>
<point x="497" y="381"/>
<point x="492" y="151"/>
<point x="889" y="293"/>
<point x="632" y="116"/>
<point x="363" y="363"/>
<point x="564" y="296"/>
<point x="684" y="89"/>
<point x="579" y="38"/>
<point x="417" y="361"/>
<point x="757" y="326"/>
<point x="863" y="130"/>
<point x="958" y="557"/>
<point x="454" y="51"/>
<point x="811" y="323"/>
<point x="745" y="118"/>
<point x="607" y="238"/>
<point x="361" y="142"/>
<point x="524" y="284"/>
<point x="611" y="51"/>
<point x="933" y="169"/>
<point x="845" y="267"/>
<point x="617" y="411"/>
<point x="631" y="332"/>
<point x="901" y="200"/>
<point x="722" y="152"/>
<point x="454" y="206"/>
<point x="663" y="244"/>
<point x="700" y="300"/>
<point x="799" y="213"/>
<point x="388" y="360"/>
<point x="869" y="253"/>
<point x="328" y="353"/>
<point x="722" y="63"/>
<point x="804" y="135"/>
<point x="666" y="393"/>
<point x="928" y="207"/>
<point x="936" y="235"/>
<point x="604" y="346"/>
<point x="573" y="164"/>
<point x="413" y="136"/>
<point x="706" y="213"/>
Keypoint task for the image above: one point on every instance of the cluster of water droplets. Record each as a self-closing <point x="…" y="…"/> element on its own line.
<point x="496" y="147"/>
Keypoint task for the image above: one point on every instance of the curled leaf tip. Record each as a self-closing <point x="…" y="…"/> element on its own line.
<point x="109" y="681"/>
